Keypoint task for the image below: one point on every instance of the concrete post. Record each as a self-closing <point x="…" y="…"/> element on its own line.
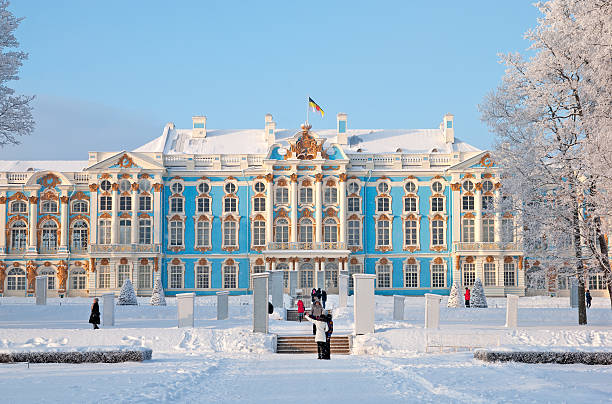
<point x="398" y="308"/>
<point x="432" y="310"/>
<point x="108" y="309"/>
<point x="293" y="278"/>
<point x="320" y="278"/>
<point x="512" y="311"/>
<point x="364" y="303"/>
<point x="342" y="290"/>
<point x="260" y="302"/>
<point x="573" y="293"/>
<point x="222" y="305"/>
<point x="41" y="290"/>
<point x="276" y="288"/>
<point x="184" y="306"/>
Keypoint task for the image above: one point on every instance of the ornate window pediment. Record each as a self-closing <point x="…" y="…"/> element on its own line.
<point x="305" y="146"/>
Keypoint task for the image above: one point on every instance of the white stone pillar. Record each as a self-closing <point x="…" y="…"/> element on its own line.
<point x="432" y="310"/>
<point x="93" y="213"/>
<point x="269" y="207"/>
<point x="398" y="308"/>
<point x="342" y="213"/>
<point x="318" y="208"/>
<point x="342" y="290"/>
<point x="3" y="204"/>
<point x="41" y="290"/>
<point x="114" y="211"/>
<point x="184" y="306"/>
<point x="478" y="215"/>
<point x="32" y="219"/>
<point x="260" y="302"/>
<point x="222" y="305"/>
<point x="294" y="208"/>
<point x="364" y="304"/>
<point x="108" y="309"/>
<point x="157" y="214"/>
<point x="512" y="311"/>
<point x="63" y="247"/>
<point x="134" y="229"/>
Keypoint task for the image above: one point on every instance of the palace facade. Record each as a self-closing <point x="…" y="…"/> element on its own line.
<point x="203" y="209"/>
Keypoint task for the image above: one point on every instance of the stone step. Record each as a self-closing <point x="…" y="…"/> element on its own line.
<point x="302" y="344"/>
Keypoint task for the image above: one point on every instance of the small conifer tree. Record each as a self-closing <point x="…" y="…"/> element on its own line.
<point x="127" y="295"/>
<point x="454" y="299"/>
<point x="477" y="297"/>
<point x="158" y="298"/>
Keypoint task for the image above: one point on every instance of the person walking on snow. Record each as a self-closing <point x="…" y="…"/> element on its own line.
<point x="300" y="305"/>
<point x="467" y="297"/>
<point x="320" y="338"/>
<point x="94" y="317"/>
<point x="323" y="297"/>
<point x="589" y="298"/>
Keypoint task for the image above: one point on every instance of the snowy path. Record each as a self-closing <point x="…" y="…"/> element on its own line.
<point x="285" y="378"/>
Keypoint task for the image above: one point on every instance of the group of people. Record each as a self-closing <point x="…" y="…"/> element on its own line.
<point x="320" y="295"/>
<point x="322" y="324"/>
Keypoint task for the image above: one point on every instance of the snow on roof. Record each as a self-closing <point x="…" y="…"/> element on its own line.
<point x="252" y="141"/>
<point x="43" y="165"/>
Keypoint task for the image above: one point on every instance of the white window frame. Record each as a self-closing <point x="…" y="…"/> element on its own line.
<point x="468" y="274"/>
<point x="81" y="203"/>
<point x="433" y="272"/>
<point x="417" y="270"/>
<point x="224" y="273"/>
<point x="390" y="233"/>
<point x="444" y="220"/>
<point x="417" y="229"/>
<point x="202" y="269"/>
<point x="198" y="241"/>
<point x="172" y="281"/>
<point x="227" y="240"/>
<point x="487" y="271"/>
<point x="379" y="267"/>
<point x="258" y="235"/>
<point x="176" y="236"/>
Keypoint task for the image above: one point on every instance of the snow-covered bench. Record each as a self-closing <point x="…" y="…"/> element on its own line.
<point x="77" y="355"/>
<point x="587" y="358"/>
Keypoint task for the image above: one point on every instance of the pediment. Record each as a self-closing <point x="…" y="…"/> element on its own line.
<point x="481" y="160"/>
<point x="125" y="160"/>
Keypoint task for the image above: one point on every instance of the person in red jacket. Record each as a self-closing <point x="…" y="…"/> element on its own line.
<point x="467" y="297"/>
<point x="300" y="305"/>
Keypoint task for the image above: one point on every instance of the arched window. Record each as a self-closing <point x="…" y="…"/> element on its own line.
<point x="330" y="196"/>
<point x="50" y="273"/>
<point x="281" y="234"/>
<point x="48" y="207"/>
<point x="230" y="233"/>
<point x="383" y="233"/>
<point x="79" y="235"/>
<point x="104" y="277"/>
<point x="354" y="233"/>
<point x="259" y="233"/>
<point x="437" y="232"/>
<point x="306" y="275"/>
<point x="230" y="276"/>
<point x="305" y="230"/>
<point x="49" y="236"/>
<point x="78" y="279"/>
<point x="306" y="196"/>
<point x="79" y="207"/>
<point x="230" y="204"/>
<point x="125" y="231"/>
<point x="176" y="233"/>
<point x="145" y="276"/>
<point x="123" y="273"/>
<point x="19" y="207"/>
<point x="18" y="235"/>
<point x="104" y="231"/>
<point x="202" y="276"/>
<point x="330" y="231"/>
<point x="176" y="277"/>
<point x="203" y="233"/>
<point x="383" y="275"/>
<point x="16" y="279"/>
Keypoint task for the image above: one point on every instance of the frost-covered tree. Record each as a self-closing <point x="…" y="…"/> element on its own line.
<point x="158" y="298"/>
<point x="15" y="110"/>
<point x="127" y="295"/>
<point x="454" y="299"/>
<point x="477" y="296"/>
<point x="547" y="115"/>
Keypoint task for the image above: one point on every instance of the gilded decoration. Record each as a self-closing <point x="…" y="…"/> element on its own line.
<point x="229" y="261"/>
<point x="33" y="199"/>
<point x="125" y="161"/>
<point x="18" y="195"/>
<point x="92" y="266"/>
<point x="176" y="261"/>
<point x="145" y="176"/>
<point x="123" y="261"/>
<point x="48" y="217"/>
<point x="306" y="183"/>
<point x="486" y="161"/>
<point x="15" y="218"/>
<point x="115" y="187"/>
<point x="105" y="176"/>
<point x="177" y="217"/>
<point x="125" y="215"/>
<point x="64" y="199"/>
<point x="31" y="275"/>
<point x="507" y="260"/>
<point x="144" y="261"/>
<point x="458" y="262"/>
<point x="125" y="176"/>
<point x="490" y="259"/>
<point x="105" y="215"/>
<point x="259" y="261"/>
<point x="438" y="260"/>
<point x="2" y="276"/>
<point x="50" y="181"/>
<point x="134" y="186"/>
<point x="93" y="187"/>
<point x="330" y="212"/>
<point x="469" y="260"/>
<point x="158" y="187"/>
<point x="259" y="216"/>
<point x="306" y="147"/>
<point x="520" y="262"/>
<point x="294" y="177"/>
<point x="281" y="182"/>
<point x="456" y="186"/>
<point x="282" y="213"/>
<point x="79" y="217"/>
<point x="342" y="177"/>
<point x="437" y="248"/>
<point x="411" y="248"/>
<point x="156" y="263"/>
<point x="468" y="175"/>
<point x="354" y="261"/>
<point x="104" y="261"/>
<point x="202" y="261"/>
<point x="478" y="186"/>
<point x="269" y="177"/>
<point x="384" y="248"/>
<point x="319" y="177"/>
<point x="487" y="175"/>
<point x="497" y="185"/>
<point x="306" y="213"/>
<point x="49" y="196"/>
<point x="330" y="183"/>
<point x="383" y="261"/>
<point x="62" y="275"/>
<point x="2" y="200"/>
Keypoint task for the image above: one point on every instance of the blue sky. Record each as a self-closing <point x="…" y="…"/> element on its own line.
<point x="108" y="75"/>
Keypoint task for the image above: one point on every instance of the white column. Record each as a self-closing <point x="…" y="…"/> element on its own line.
<point x="497" y="228"/>
<point x="114" y="211"/>
<point x="318" y="208"/>
<point x="269" y="207"/>
<point x="134" y="228"/>
<point x="2" y="222"/>
<point x="157" y="214"/>
<point x="32" y="219"/>
<point x="64" y="221"/>
<point x="294" y="208"/>
<point x="478" y="211"/>
<point x="342" y="214"/>
<point x="93" y="213"/>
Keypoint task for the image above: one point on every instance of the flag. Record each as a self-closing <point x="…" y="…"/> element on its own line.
<point x="315" y="107"/>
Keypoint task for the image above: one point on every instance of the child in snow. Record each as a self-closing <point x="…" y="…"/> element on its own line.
<point x="300" y="306"/>
<point x="320" y="338"/>
<point x="94" y="317"/>
<point x="467" y="297"/>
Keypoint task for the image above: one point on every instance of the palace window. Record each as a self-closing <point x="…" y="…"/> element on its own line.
<point x="230" y="188"/>
<point x="49" y="236"/>
<point x="16" y="279"/>
<point x="177" y="204"/>
<point x="306" y="231"/>
<point x="490" y="274"/>
<point x="259" y="204"/>
<point x="79" y="235"/>
<point x="144" y="203"/>
<point x="437" y="232"/>
<point x="106" y="203"/>
<point x="18" y="235"/>
<point x="383" y="275"/>
<point x="144" y="185"/>
<point x="468" y="186"/>
<point x="281" y="195"/>
<point x="202" y="276"/>
<point x="202" y="233"/>
<point x="203" y="204"/>
<point x="330" y="231"/>
<point x="260" y="187"/>
<point x="306" y="276"/>
<point x="123" y="273"/>
<point x="230" y="236"/>
<point x="410" y="204"/>
<point x="353" y="188"/>
<point x="467" y="231"/>
<point x="230" y="276"/>
<point x="104" y="231"/>
<point x="144" y="231"/>
<point x="383" y="188"/>
<point x="105" y="185"/>
<point x="410" y="187"/>
<point x="509" y="274"/>
<point x="487" y="202"/>
<point x="50" y="277"/>
<point x="354" y="204"/>
<point x="353" y="269"/>
<point x="383" y="233"/>
<point x="78" y="279"/>
<point x="125" y="231"/>
<point x="330" y="196"/>
<point x="487" y="186"/>
<point x="437" y="204"/>
<point x="597" y="282"/>
<point x="48" y="207"/>
<point x="19" y="207"/>
<point x="203" y="188"/>
<point x="256" y="269"/>
<point x="176" y="233"/>
<point x="124" y="186"/>
<point x="467" y="202"/>
<point x="259" y="233"/>
<point x="354" y="233"/>
<point x="80" y="207"/>
<point x="383" y="204"/>
<point x="306" y="196"/>
<point x="488" y="230"/>
<point x="410" y="232"/>
<point x="177" y="188"/>
<point x="176" y="277"/>
<point x="438" y="275"/>
<point x="230" y="204"/>
<point x="145" y="276"/>
<point x="104" y="277"/>
<point x="507" y="230"/>
<point x="469" y="274"/>
<point x="281" y="233"/>
<point x="437" y="186"/>
<point x="411" y="276"/>
<point x="125" y="203"/>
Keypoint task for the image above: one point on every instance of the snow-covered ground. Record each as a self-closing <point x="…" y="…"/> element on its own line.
<point x="222" y="361"/>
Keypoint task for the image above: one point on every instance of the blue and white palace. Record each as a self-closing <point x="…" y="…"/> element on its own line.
<point x="203" y="209"/>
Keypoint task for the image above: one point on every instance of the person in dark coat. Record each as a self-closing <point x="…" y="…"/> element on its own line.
<point x="94" y="317"/>
<point x="319" y="293"/>
<point x="589" y="298"/>
<point x="328" y="334"/>
<point x="313" y="294"/>
<point x="323" y="297"/>
<point x="467" y="297"/>
<point x="270" y="308"/>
